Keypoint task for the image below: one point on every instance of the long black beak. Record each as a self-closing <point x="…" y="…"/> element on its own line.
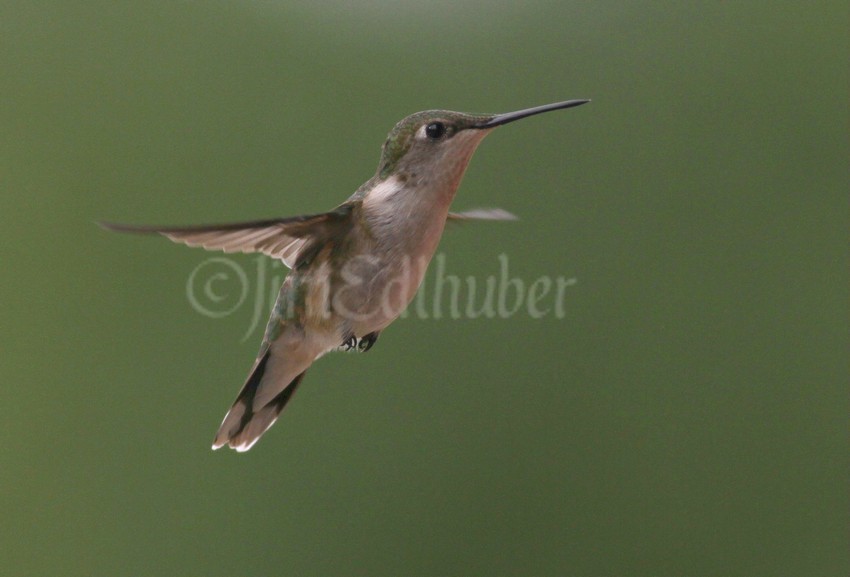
<point x="501" y="119"/>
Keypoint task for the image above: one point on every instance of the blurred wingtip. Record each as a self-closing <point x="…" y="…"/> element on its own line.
<point x="119" y="227"/>
<point x="483" y="214"/>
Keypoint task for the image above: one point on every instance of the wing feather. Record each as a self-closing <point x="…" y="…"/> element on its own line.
<point x="281" y="238"/>
<point x="482" y="214"/>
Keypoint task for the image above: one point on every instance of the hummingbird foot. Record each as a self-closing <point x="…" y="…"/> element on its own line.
<point x="366" y="342"/>
<point x="352" y="343"/>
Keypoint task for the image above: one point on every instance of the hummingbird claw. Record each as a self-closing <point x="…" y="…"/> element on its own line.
<point x="352" y="343"/>
<point x="366" y="342"/>
<point x="349" y="343"/>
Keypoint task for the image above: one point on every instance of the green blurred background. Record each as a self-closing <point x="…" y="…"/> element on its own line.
<point x="687" y="416"/>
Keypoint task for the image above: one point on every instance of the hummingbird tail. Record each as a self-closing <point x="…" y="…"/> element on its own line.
<point x="245" y="423"/>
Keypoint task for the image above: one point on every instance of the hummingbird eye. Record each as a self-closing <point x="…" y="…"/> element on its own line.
<point x="435" y="130"/>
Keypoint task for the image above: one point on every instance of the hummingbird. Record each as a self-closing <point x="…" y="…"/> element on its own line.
<point x="355" y="268"/>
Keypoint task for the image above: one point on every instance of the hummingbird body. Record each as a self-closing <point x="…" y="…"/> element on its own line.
<point x="355" y="268"/>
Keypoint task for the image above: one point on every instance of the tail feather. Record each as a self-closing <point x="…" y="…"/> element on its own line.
<point x="244" y="424"/>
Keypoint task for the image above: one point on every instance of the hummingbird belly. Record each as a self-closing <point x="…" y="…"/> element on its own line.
<point x="372" y="291"/>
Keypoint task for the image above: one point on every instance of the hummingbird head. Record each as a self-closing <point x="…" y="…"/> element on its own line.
<point x="437" y="144"/>
<point x="429" y="141"/>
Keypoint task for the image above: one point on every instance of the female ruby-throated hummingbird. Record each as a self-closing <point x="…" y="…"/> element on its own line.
<point x="353" y="269"/>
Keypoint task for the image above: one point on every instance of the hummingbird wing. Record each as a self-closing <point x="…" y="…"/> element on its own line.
<point x="483" y="214"/>
<point x="281" y="238"/>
